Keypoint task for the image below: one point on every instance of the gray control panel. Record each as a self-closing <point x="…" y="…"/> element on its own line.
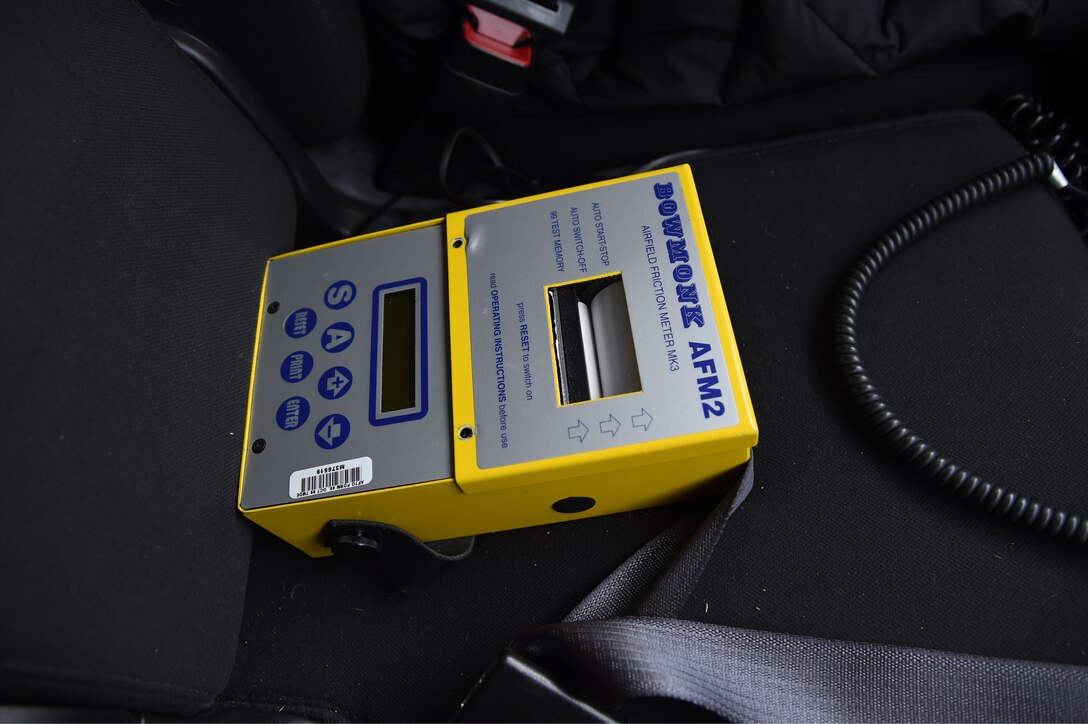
<point x="351" y="388"/>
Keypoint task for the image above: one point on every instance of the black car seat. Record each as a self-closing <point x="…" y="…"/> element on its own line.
<point x="138" y="207"/>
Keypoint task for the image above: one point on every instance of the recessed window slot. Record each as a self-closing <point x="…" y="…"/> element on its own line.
<point x="594" y="348"/>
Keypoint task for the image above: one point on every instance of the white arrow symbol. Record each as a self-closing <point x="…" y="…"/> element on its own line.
<point x="611" y="425"/>
<point x="642" y="420"/>
<point x="578" y="432"/>
<point x="335" y="382"/>
<point x="330" y="432"/>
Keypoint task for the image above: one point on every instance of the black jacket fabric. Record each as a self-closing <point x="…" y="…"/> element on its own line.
<point x="650" y="54"/>
<point x="642" y="54"/>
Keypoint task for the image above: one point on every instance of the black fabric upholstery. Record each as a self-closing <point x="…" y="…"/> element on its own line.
<point x="137" y="210"/>
<point x="329" y="641"/>
<point x="978" y="335"/>
<point x="308" y="60"/>
<point x="568" y="148"/>
<point x="637" y="55"/>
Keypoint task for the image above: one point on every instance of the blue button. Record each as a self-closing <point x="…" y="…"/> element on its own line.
<point x="296" y="366"/>
<point x="300" y="322"/>
<point x="335" y="383"/>
<point x="337" y="337"/>
<point x="293" y="413"/>
<point x="332" y="431"/>
<point x="340" y="294"/>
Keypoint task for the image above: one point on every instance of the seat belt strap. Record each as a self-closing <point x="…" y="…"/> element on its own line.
<point x="745" y="675"/>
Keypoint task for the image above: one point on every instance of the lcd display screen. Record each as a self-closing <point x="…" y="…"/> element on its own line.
<point x="399" y="350"/>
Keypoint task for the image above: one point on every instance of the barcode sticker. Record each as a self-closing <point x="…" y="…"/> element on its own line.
<point x="331" y="478"/>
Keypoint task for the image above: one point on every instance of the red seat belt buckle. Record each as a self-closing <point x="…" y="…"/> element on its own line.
<point x="497" y="36"/>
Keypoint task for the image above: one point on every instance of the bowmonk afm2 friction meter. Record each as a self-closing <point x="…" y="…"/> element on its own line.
<point x="555" y="357"/>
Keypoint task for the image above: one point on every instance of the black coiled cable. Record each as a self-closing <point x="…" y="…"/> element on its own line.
<point x="1042" y="130"/>
<point x="903" y="442"/>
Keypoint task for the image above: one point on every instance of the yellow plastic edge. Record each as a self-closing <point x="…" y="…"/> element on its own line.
<point x="252" y="380"/>
<point x="440" y="510"/>
<point x="362" y="237"/>
<point x="745" y="411"/>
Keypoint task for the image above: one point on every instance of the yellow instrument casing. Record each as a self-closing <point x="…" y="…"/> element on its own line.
<point x="517" y="453"/>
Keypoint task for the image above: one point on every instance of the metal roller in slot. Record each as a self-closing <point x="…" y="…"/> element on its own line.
<point x="589" y="351"/>
<point x="617" y="366"/>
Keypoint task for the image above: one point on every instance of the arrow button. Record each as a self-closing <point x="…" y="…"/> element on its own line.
<point x="643" y="420"/>
<point x="332" y="431"/>
<point x="578" y="432"/>
<point x="610" y="426"/>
